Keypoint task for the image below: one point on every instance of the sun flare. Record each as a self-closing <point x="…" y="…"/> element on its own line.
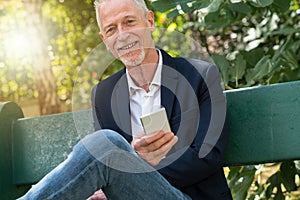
<point x="17" y="45"/>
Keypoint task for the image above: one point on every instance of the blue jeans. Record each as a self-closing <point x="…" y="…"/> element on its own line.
<point x="104" y="160"/>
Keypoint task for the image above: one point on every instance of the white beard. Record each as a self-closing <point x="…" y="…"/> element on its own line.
<point x="135" y="62"/>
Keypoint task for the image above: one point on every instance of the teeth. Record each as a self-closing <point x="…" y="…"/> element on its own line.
<point x="128" y="46"/>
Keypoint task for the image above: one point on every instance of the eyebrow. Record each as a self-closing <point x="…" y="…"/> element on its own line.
<point x="126" y="17"/>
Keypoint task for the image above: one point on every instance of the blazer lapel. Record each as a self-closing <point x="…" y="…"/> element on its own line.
<point x="120" y="107"/>
<point x="169" y="82"/>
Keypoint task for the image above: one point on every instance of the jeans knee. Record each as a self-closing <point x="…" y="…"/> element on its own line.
<point x="105" y="140"/>
<point x="116" y="139"/>
<point x="112" y="150"/>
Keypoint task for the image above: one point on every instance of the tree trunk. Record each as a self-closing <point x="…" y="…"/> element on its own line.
<point x="45" y="81"/>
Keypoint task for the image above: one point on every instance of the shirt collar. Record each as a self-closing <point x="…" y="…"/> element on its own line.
<point x="156" y="81"/>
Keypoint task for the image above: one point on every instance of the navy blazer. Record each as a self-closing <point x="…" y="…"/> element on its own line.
<point x="196" y="108"/>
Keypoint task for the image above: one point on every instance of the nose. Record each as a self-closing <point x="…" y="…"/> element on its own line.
<point x="123" y="33"/>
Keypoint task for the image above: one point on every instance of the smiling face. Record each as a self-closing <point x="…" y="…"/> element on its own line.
<point x="126" y="31"/>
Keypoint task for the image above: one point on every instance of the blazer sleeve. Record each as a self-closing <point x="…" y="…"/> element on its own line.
<point x="203" y="157"/>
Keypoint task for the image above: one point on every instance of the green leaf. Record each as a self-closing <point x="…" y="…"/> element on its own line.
<point x="239" y="66"/>
<point x="274" y="181"/>
<point x="288" y="175"/>
<point x="279" y="195"/>
<point x="243" y="183"/>
<point x="214" y="6"/>
<point x="295" y="45"/>
<point x="204" y="3"/>
<point x="165" y="5"/>
<point x="185" y="8"/>
<point x="282" y="48"/>
<point x="291" y="59"/>
<point x="261" y="3"/>
<point x="253" y="56"/>
<point x="214" y="21"/>
<point x="240" y="7"/>
<point x="282" y="5"/>
<point x="223" y="65"/>
<point x="286" y="31"/>
<point x="261" y="69"/>
<point x="286" y="55"/>
<point x="173" y="13"/>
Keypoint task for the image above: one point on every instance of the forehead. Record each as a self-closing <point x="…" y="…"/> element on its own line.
<point x="111" y="10"/>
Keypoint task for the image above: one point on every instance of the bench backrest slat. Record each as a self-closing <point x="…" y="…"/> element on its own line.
<point x="264" y="124"/>
<point x="41" y="143"/>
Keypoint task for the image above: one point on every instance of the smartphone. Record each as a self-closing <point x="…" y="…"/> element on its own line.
<point x="155" y="121"/>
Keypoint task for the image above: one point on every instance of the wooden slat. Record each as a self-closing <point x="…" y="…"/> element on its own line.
<point x="264" y="124"/>
<point x="41" y="143"/>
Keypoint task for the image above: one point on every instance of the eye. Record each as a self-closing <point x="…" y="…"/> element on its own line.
<point x="109" y="31"/>
<point x="130" y="21"/>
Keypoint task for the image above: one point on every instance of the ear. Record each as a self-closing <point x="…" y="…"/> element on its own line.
<point x="103" y="39"/>
<point x="101" y="36"/>
<point x="151" y="21"/>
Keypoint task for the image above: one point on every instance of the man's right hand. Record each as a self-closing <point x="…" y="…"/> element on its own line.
<point x="153" y="148"/>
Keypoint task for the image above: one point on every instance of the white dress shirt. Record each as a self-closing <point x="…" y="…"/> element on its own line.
<point x="142" y="102"/>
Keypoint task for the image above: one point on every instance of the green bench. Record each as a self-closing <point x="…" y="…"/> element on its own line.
<point x="264" y="127"/>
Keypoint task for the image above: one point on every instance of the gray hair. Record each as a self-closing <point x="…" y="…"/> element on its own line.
<point x="140" y="3"/>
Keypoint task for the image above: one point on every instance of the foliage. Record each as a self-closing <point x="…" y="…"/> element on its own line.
<point x="253" y="43"/>
<point x="16" y="73"/>
<point x="279" y="182"/>
<point x="73" y="32"/>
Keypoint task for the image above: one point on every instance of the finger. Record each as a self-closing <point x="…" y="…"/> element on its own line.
<point x="163" y="151"/>
<point x="157" y="144"/>
<point x="158" y="155"/>
<point x="144" y="144"/>
<point x="154" y="158"/>
<point x="138" y="145"/>
<point x="135" y="143"/>
<point x="148" y="139"/>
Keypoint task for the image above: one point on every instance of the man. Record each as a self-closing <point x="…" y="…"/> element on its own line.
<point x="120" y="159"/>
